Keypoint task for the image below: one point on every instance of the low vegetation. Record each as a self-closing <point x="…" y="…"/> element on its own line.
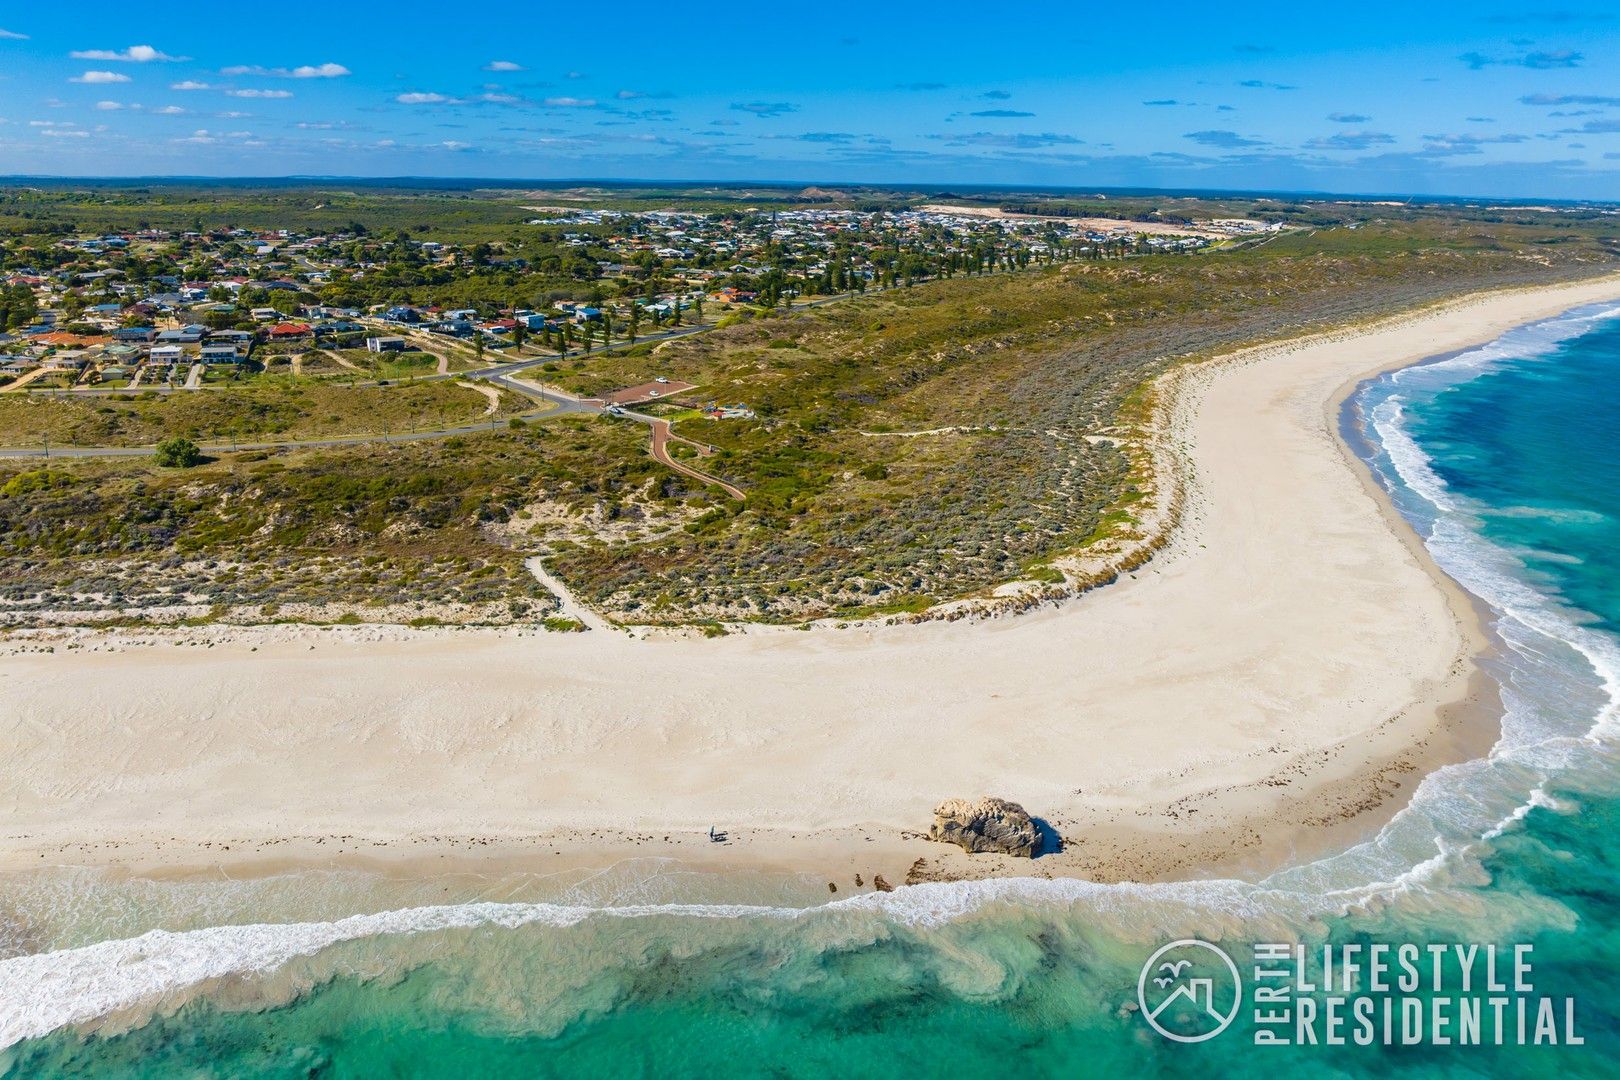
<point x="434" y="529"/>
<point x="907" y="448"/>
<point x="262" y="412"/>
<point x="936" y="442"/>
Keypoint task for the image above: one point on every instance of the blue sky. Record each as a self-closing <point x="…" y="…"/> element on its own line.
<point x="1441" y="98"/>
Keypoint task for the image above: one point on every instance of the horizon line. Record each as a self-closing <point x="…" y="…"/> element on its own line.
<point x="943" y="187"/>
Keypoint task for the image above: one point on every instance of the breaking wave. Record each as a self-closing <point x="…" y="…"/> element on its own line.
<point x="1560" y="686"/>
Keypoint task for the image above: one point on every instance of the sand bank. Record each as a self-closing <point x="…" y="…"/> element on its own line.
<point x="1270" y="684"/>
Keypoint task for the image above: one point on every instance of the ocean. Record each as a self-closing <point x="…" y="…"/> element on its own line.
<point x="1504" y="458"/>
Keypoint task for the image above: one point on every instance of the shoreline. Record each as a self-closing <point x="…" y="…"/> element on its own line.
<point x="1232" y="812"/>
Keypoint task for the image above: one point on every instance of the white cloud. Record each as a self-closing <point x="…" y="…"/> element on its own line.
<point x="135" y="54"/>
<point x="571" y="102"/>
<point x="321" y="71"/>
<point x="417" y="97"/>
<point x="66" y="133"/>
<point x="190" y="84"/>
<point x="308" y="71"/>
<point x="8" y="35"/>
<point x="96" y="78"/>
<point x="502" y="65"/>
<point x="201" y="136"/>
<point x="260" y="93"/>
<point x="170" y="110"/>
<point x="108" y="106"/>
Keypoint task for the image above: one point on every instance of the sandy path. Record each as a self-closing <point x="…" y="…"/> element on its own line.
<point x="30" y="377"/>
<point x="489" y="392"/>
<point x="1292" y="644"/>
<point x="566" y="601"/>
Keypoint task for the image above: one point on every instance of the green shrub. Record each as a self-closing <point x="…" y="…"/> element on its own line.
<point x="563" y="625"/>
<point x="178" y="453"/>
<point x="36" y="480"/>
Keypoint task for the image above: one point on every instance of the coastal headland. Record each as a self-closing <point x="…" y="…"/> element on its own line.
<point x="1269" y="685"/>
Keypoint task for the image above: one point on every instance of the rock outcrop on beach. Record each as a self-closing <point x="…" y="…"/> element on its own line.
<point x="986" y="825"/>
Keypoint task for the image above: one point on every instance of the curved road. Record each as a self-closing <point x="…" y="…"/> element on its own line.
<point x="660" y="452"/>
<point x="293" y="444"/>
<point x="556" y="402"/>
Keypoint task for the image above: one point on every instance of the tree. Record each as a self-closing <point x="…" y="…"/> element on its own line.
<point x="478" y="345"/>
<point x="520" y="334"/>
<point x="178" y="453"/>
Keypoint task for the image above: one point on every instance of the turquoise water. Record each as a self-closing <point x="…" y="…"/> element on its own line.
<point x="1505" y="460"/>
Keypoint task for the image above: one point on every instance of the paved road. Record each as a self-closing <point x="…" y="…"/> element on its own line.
<point x="295" y="444"/>
<point x="557" y="404"/>
<point x="494" y="371"/>
<point x="660" y="428"/>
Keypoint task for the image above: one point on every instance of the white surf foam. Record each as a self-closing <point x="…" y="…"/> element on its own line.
<point x="1447" y="818"/>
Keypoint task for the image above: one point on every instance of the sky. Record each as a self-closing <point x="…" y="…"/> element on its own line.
<point x="1487" y="99"/>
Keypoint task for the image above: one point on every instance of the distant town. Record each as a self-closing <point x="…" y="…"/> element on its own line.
<point x="161" y="309"/>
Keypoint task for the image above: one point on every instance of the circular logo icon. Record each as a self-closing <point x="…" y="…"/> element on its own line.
<point x="1189" y="991"/>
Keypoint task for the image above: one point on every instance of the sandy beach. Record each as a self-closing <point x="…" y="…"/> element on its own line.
<point x="1271" y="684"/>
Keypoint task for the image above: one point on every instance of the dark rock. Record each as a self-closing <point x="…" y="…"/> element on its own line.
<point x="988" y="825"/>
